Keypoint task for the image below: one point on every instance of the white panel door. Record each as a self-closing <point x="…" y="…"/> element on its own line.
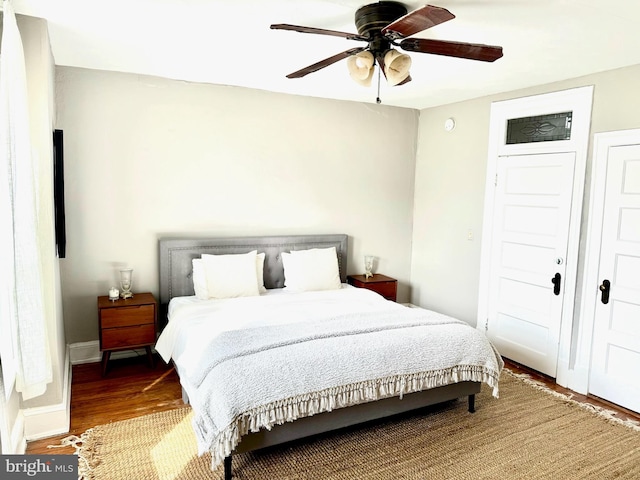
<point x="615" y="364"/>
<point x="532" y="211"/>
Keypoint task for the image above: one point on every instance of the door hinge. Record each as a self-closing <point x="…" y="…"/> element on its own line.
<point x="495" y="181"/>
<point x="486" y="325"/>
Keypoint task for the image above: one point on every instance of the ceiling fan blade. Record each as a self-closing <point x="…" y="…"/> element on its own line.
<point x="417" y="21"/>
<point x="320" y="31"/>
<point x="406" y="80"/>
<point x="471" y="51"/>
<point x="325" y="63"/>
<point x="380" y="60"/>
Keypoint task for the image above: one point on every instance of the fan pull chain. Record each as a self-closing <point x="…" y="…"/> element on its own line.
<point x="378" y="101"/>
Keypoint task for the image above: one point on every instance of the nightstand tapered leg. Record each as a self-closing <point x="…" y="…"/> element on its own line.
<point x="105" y="361"/>
<point x="150" y="357"/>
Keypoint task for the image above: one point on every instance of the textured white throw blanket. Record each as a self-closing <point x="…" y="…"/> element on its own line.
<point x="263" y="375"/>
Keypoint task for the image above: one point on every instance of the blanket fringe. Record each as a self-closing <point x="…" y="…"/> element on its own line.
<point x="290" y="409"/>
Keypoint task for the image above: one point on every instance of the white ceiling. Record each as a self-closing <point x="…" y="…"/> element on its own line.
<point x="230" y="43"/>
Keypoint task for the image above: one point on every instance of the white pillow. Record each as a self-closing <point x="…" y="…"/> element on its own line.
<point x="260" y="271"/>
<point x="200" y="278"/>
<point x="313" y="269"/>
<point x="230" y="276"/>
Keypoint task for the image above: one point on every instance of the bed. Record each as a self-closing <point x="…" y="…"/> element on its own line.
<point x="303" y="376"/>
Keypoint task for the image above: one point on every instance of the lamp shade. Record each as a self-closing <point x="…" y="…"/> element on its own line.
<point x="361" y="67"/>
<point x="396" y="66"/>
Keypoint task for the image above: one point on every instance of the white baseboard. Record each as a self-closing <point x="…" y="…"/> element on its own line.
<point x="85" y="352"/>
<point x="89" y="352"/>
<point x="411" y="305"/>
<point x="50" y="420"/>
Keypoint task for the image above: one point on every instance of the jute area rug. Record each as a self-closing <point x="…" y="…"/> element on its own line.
<point x="527" y="433"/>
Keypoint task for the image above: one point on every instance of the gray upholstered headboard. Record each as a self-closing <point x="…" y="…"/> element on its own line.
<point x="176" y="255"/>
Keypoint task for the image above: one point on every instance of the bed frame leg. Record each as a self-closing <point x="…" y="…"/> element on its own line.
<point x="227" y="468"/>
<point x="472" y="403"/>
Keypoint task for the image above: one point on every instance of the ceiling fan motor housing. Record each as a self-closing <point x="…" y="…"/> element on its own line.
<point x="370" y="19"/>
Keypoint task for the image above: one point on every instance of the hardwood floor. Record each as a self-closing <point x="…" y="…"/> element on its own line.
<point x="132" y="389"/>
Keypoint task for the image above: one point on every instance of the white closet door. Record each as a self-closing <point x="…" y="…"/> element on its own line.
<point x="615" y="365"/>
<point x="532" y="211"/>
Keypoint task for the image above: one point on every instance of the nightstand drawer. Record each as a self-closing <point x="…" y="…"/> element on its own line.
<point x="386" y="289"/>
<point x="127" y="316"/>
<point x="124" y="337"/>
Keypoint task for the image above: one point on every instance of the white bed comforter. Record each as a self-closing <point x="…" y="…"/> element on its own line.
<point x="252" y="363"/>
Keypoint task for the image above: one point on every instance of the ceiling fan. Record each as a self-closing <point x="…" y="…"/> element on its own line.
<point x="385" y="25"/>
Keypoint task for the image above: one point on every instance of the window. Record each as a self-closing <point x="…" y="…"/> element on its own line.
<point x="540" y="128"/>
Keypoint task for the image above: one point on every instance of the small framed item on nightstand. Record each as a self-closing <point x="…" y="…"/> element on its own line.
<point x="385" y="286"/>
<point x="127" y="324"/>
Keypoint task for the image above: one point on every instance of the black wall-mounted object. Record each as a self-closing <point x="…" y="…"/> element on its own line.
<point x="58" y="193"/>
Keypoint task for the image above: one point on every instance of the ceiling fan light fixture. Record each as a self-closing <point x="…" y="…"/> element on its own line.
<point x="361" y="67"/>
<point x="396" y="66"/>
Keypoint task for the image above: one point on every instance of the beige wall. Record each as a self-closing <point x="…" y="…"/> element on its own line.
<point x="147" y="157"/>
<point x="450" y="176"/>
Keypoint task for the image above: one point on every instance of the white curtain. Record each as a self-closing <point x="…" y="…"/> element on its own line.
<point x="22" y="311"/>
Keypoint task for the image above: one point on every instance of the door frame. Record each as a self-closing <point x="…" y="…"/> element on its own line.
<point x="590" y="281"/>
<point x="579" y="101"/>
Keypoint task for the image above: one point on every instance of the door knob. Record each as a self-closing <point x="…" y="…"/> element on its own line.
<point x="605" y="288"/>
<point x="556" y="280"/>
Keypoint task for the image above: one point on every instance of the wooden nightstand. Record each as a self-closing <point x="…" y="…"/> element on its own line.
<point x="127" y="325"/>
<point x="385" y="286"/>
